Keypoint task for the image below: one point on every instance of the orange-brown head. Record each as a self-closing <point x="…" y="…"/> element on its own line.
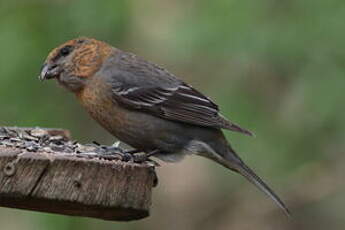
<point x="75" y="61"/>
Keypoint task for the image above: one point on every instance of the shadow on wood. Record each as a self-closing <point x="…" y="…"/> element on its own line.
<point x="65" y="183"/>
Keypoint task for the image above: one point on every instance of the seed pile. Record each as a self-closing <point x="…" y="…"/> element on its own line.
<point x="41" y="140"/>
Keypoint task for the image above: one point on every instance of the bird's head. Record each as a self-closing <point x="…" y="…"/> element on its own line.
<point x="73" y="63"/>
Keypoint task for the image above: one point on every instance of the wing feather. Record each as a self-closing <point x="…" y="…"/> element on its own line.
<point x="145" y="86"/>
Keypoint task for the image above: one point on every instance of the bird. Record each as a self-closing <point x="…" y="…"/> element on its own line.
<point x="146" y="106"/>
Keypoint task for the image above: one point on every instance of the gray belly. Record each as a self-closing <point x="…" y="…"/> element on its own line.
<point x="140" y="130"/>
<point x="147" y="132"/>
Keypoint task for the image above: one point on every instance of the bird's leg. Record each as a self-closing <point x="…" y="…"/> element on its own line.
<point x="128" y="155"/>
<point x="138" y="158"/>
<point x="152" y="153"/>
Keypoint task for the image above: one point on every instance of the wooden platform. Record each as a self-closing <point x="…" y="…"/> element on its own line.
<point x="68" y="184"/>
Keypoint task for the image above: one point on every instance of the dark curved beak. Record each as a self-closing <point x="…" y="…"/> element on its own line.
<point x="49" y="71"/>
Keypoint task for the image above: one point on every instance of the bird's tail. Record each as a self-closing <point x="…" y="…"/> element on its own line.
<point x="233" y="162"/>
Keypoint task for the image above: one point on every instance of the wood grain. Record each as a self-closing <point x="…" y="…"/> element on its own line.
<point x="70" y="185"/>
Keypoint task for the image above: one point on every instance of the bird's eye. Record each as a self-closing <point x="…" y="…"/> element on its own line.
<point x="66" y="50"/>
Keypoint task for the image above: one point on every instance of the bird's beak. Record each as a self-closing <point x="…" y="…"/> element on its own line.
<point x="49" y="71"/>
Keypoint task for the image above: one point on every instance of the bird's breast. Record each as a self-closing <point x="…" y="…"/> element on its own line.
<point x="97" y="100"/>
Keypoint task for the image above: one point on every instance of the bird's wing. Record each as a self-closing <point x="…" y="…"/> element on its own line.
<point x="141" y="85"/>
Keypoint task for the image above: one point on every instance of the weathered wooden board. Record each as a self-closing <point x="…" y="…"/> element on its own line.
<point x="70" y="185"/>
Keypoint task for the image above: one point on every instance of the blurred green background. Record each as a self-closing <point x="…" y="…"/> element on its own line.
<point x="275" y="67"/>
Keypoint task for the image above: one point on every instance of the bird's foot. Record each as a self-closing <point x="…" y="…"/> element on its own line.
<point x="113" y="152"/>
<point x="139" y="156"/>
<point x="142" y="157"/>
